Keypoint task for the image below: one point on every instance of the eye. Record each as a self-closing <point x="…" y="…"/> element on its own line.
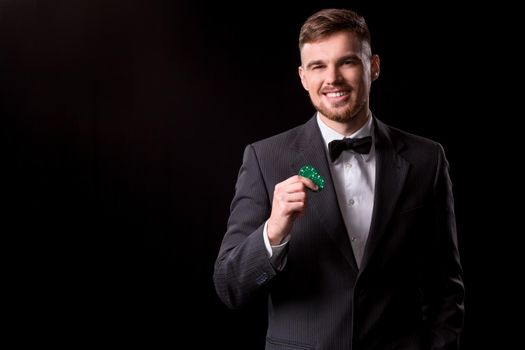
<point x="317" y="66"/>
<point x="350" y="62"/>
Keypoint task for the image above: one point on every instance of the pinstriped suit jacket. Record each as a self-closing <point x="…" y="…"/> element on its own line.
<point x="408" y="293"/>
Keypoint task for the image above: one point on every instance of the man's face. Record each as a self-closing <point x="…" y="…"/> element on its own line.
<point x="337" y="72"/>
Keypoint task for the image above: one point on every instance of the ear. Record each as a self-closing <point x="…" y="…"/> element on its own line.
<point x="302" y="75"/>
<point x="375" y="67"/>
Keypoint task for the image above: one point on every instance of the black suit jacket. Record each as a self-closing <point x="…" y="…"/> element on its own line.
<point x="408" y="293"/>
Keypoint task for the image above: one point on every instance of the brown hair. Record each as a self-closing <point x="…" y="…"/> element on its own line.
<point x="329" y="21"/>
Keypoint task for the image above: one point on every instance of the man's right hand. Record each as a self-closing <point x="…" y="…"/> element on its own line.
<point x="289" y="201"/>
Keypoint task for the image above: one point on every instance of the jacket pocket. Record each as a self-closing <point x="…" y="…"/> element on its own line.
<point x="281" y="344"/>
<point x="404" y="211"/>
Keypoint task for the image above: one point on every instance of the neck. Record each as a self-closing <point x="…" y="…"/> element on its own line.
<point x="348" y="127"/>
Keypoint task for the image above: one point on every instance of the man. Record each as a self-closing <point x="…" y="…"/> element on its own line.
<point x="370" y="261"/>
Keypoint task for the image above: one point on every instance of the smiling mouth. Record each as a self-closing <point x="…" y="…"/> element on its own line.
<point x="337" y="98"/>
<point x="336" y="94"/>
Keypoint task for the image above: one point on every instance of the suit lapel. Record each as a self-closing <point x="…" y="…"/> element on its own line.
<point x="310" y="150"/>
<point x="391" y="172"/>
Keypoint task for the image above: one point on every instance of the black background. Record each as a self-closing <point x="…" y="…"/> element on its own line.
<point x="123" y="128"/>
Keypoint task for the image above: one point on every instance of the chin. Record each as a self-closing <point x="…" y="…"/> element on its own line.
<point x="343" y="115"/>
<point x="339" y="116"/>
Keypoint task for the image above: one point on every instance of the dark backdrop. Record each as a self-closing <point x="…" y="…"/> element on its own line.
<point x="123" y="128"/>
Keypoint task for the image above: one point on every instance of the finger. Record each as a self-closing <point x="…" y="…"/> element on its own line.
<point x="296" y="197"/>
<point x="291" y="180"/>
<point x="294" y="208"/>
<point x="287" y="182"/>
<point x="294" y="187"/>
<point x="308" y="183"/>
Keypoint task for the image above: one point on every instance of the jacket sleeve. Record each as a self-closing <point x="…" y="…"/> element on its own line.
<point x="242" y="268"/>
<point x="443" y="288"/>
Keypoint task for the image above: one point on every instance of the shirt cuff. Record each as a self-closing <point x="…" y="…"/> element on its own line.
<point x="276" y="253"/>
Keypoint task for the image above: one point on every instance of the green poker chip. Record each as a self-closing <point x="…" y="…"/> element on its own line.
<point x="311" y="173"/>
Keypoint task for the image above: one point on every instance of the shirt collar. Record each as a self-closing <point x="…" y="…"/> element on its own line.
<point x="330" y="134"/>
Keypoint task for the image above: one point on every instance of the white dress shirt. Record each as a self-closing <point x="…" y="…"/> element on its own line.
<point x="353" y="175"/>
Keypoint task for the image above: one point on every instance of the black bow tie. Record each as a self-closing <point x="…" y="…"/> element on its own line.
<point x="359" y="145"/>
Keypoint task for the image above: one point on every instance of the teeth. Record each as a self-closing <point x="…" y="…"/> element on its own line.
<point x="336" y="94"/>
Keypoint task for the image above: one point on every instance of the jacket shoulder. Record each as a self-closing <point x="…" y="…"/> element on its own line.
<point x="283" y="139"/>
<point x="414" y="144"/>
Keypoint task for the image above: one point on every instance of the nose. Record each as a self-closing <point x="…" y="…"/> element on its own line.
<point x="333" y="75"/>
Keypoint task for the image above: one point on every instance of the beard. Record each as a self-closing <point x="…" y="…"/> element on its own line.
<point x="340" y="112"/>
